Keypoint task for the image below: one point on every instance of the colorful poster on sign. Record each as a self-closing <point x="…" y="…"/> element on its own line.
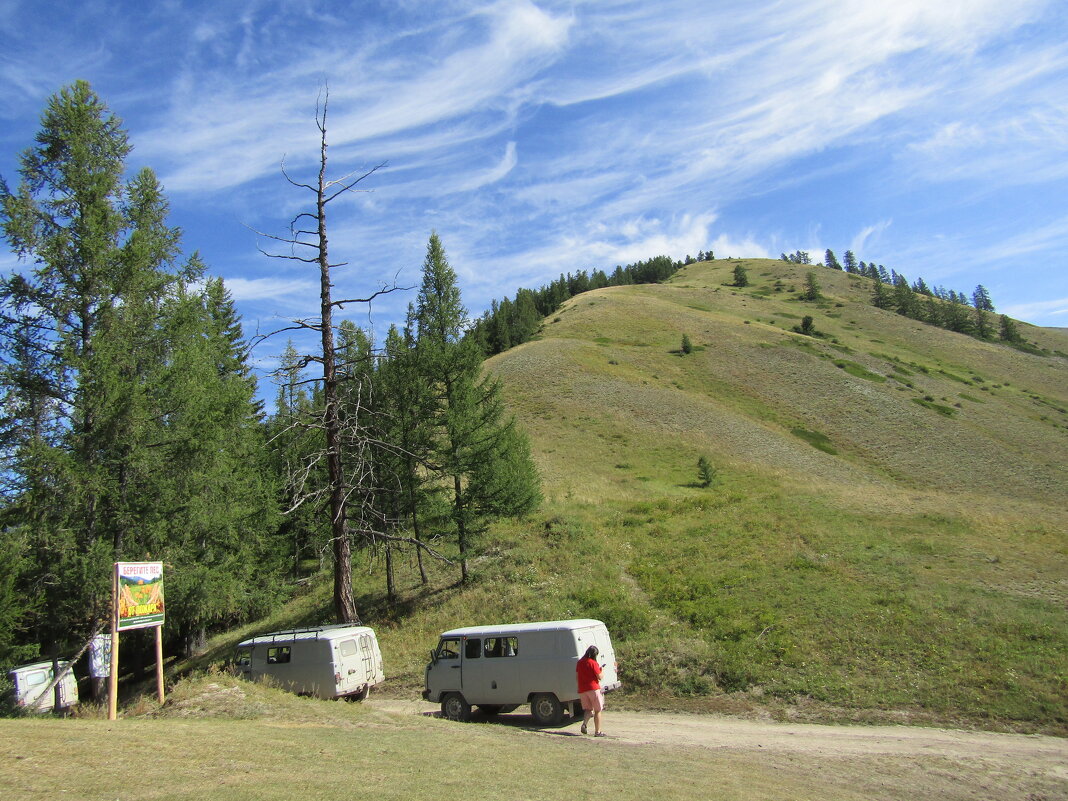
<point x="140" y="594"/>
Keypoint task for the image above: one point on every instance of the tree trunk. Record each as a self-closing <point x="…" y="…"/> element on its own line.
<point x="344" y="602"/>
<point x="461" y="529"/>
<point x="196" y="640"/>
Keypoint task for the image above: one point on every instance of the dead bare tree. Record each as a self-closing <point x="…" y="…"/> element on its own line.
<point x="308" y="243"/>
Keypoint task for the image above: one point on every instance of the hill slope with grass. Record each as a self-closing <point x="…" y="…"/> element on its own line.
<point x="884" y="537"/>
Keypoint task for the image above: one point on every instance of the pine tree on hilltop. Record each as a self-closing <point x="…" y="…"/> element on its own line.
<point x="981" y="299"/>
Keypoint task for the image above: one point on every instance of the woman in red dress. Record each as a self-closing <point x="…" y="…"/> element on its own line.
<point x="588" y="673"/>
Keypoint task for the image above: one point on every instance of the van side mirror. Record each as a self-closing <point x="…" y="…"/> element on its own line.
<point x="433" y="656"/>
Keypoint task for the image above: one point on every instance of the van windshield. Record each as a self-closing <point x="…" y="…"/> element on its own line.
<point x="448" y="649"/>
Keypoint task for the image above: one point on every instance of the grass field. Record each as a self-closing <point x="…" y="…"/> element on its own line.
<point x="257" y="744"/>
<point x="219" y="737"/>
<point x="886" y="537"/>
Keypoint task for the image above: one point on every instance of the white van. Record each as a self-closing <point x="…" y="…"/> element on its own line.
<point x="31" y="681"/>
<point x="338" y="661"/>
<point x="498" y="668"/>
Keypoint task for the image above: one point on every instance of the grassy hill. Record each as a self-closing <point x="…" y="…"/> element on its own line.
<point x="885" y="537"/>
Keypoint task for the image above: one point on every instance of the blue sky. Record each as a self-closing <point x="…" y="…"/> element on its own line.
<point x="540" y="138"/>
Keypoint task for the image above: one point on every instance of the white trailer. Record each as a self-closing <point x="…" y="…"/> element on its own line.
<point x="338" y="661"/>
<point x="498" y="668"/>
<point x="31" y="681"/>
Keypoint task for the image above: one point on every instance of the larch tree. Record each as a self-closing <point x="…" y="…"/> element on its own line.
<point x="408" y="406"/>
<point x="112" y="443"/>
<point x="482" y="457"/>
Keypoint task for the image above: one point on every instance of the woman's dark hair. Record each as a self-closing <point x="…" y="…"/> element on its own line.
<point x="591" y="652"/>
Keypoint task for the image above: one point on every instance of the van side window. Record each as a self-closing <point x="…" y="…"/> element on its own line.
<point x="278" y="655"/>
<point x="35" y="678"/>
<point x="449" y="649"/>
<point x="244" y="657"/>
<point x="502" y="646"/>
<point x="473" y="649"/>
<point x="348" y="648"/>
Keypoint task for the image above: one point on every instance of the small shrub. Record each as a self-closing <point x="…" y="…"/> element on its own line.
<point x="706" y="473"/>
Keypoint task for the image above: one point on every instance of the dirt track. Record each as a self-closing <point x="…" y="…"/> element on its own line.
<point x="876" y="761"/>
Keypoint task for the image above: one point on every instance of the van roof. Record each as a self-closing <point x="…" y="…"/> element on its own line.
<point x="518" y="628"/>
<point x="330" y="632"/>
<point x="37" y="666"/>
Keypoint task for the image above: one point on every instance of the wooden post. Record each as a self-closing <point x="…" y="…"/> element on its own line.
<point x="113" y="679"/>
<point x="159" y="662"/>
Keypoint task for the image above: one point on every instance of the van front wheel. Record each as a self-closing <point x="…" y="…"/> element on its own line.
<point x="546" y="709"/>
<point x="455" y="707"/>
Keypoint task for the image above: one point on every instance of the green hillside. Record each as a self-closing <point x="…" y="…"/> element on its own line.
<point x="884" y="538"/>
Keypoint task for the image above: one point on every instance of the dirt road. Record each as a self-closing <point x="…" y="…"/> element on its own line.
<point x="876" y="761"/>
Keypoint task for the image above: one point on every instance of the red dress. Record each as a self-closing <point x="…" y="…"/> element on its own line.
<point x="588" y="673"/>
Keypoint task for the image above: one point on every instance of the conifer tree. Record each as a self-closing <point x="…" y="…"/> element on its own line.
<point x="408" y="409"/>
<point x="981" y="299"/>
<point x="132" y="396"/>
<point x="294" y="450"/>
<point x="1008" y="331"/>
<point x="904" y="299"/>
<point x="706" y="473"/>
<point x="811" y="292"/>
<point x="472" y="438"/>
<point x="880" y="295"/>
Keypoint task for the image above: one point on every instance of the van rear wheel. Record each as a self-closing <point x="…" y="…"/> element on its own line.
<point x="455" y="707"/>
<point x="546" y="709"/>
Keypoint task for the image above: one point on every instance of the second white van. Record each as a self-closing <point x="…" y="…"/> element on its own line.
<point x="31" y="681"/>
<point x="338" y="661"/>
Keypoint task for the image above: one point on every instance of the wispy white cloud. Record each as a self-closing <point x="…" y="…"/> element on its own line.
<point x="1050" y="237"/>
<point x="227" y="133"/>
<point x="248" y="289"/>
<point x="866" y="234"/>
<point x="1053" y="312"/>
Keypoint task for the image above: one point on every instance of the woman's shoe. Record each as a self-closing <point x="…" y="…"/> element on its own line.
<point x="583" y="729"/>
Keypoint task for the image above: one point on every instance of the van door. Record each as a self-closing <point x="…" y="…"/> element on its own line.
<point x="443" y="672"/>
<point x="367" y="654"/>
<point x="30" y="685"/>
<point x="350" y="666"/>
<point x="491" y="671"/>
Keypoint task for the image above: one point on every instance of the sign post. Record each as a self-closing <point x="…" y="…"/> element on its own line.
<point x="137" y="602"/>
